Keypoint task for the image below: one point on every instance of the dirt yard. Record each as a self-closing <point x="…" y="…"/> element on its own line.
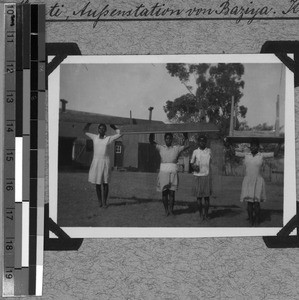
<point x="134" y="202"/>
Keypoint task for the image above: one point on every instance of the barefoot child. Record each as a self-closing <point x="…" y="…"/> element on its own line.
<point x="200" y="161"/>
<point x="168" y="180"/>
<point x="253" y="186"/>
<point x="99" y="172"/>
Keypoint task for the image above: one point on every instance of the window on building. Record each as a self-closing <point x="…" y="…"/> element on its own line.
<point x="118" y="149"/>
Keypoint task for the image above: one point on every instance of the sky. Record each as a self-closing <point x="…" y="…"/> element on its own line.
<point x="115" y="89"/>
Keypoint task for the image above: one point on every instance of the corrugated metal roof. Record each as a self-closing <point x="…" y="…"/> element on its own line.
<point x="94" y="118"/>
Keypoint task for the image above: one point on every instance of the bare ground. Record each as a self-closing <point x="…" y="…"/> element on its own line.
<point x="134" y="202"/>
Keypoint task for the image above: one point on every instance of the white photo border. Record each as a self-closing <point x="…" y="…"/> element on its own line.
<point x="289" y="205"/>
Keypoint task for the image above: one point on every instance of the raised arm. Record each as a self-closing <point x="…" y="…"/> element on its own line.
<point x="268" y="154"/>
<point x="115" y="136"/>
<point x="239" y="154"/>
<point x="151" y="139"/>
<point x="229" y="148"/>
<point x="184" y="142"/>
<point x="277" y="149"/>
<point x="86" y="129"/>
<point x="234" y="151"/>
<point x="272" y="154"/>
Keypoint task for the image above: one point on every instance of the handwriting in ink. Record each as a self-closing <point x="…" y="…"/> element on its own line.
<point x="294" y="8"/>
<point x="240" y="11"/>
<point x="157" y="10"/>
<point x="225" y="9"/>
<point x="57" y="10"/>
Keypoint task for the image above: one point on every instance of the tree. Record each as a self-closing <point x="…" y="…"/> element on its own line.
<point x="210" y="89"/>
<point x="243" y="126"/>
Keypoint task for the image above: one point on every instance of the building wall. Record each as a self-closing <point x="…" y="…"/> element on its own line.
<point x="130" y="143"/>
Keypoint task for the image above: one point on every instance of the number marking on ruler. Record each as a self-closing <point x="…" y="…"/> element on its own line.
<point x="9" y="150"/>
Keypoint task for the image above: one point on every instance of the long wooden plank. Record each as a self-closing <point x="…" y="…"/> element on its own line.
<point x="207" y="128"/>
<point x="247" y="136"/>
<point x="248" y="139"/>
<point x="136" y="126"/>
<point x="254" y="133"/>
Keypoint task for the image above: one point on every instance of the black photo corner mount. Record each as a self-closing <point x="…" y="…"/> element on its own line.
<point x="60" y="51"/>
<point x="282" y="240"/>
<point x="63" y="242"/>
<point x="281" y="49"/>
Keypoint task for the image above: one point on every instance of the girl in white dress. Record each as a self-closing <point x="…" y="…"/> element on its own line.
<point x="200" y="161"/>
<point x="100" y="170"/>
<point x="253" y="186"/>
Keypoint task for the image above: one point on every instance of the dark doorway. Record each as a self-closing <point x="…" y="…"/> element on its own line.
<point x="65" y="148"/>
<point x="118" y="154"/>
<point x="148" y="158"/>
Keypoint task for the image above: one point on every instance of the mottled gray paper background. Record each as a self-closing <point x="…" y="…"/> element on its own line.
<point x="203" y="268"/>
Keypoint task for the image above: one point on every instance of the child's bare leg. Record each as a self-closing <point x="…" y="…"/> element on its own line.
<point x="171" y="201"/>
<point x="99" y="194"/>
<point x="206" y="208"/>
<point x="106" y="191"/>
<point x="257" y="210"/>
<point x="250" y="212"/>
<point x="199" y="206"/>
<point x="165" y="201"/>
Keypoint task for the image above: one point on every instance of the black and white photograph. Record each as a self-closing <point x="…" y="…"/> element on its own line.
<point x="150" y="149"/>
<point x="171" y="144"/>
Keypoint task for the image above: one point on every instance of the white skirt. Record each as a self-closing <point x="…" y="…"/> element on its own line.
<point x="168" y="177"/>
<point x="99" y="171"/>
<point x="253" y="189"/>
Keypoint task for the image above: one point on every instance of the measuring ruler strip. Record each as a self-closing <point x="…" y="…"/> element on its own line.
<point x="26" y="16"/>
<point x="41" y="147"/>
<point x="24" y="157"/>
<point x="22" y="218"/>
<point x="26" y="122"/>
<point x="33" y="149"/>
<point x="9" y="150"/>
<point x="40" y="190"/>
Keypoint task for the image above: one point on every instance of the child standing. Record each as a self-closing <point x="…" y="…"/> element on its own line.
<point x="99" y="172"/>
<point x="168" y="180"/>
<point x="200" y="161"/>
<point x="253" y="186"/>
